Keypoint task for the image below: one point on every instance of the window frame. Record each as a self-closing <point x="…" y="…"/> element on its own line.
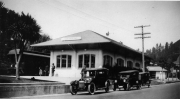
<point x="129" y="65"/>
<point x="82" y="61"/>
<point x="111" y="60"/>
<point x="121" y="64"/>
<point x="67" y="59"/>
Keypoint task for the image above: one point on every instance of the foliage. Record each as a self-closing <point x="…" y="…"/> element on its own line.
<point x="17" y="30"/>
<point x="43" y="38"/>
<point x="164" y="56"/>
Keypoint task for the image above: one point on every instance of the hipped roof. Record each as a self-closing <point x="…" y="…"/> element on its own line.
<point x="86" y="37"/>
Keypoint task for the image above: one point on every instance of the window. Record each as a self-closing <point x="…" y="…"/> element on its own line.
<point x="58" y="61"/>
<point x="107" y="60"/>
<point x="120" y="62"/>
<point x="64" y="61"/>
<point x="129" y="64"/>
<point x="137" y="65"/>
<point x="88" y="60"/>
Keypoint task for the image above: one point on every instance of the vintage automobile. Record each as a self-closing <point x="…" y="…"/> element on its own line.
<point x="127" y="79"/>
<point x="92" y="80"/>
<point x="145" y="78"/>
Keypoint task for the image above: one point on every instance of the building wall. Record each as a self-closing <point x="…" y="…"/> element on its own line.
<point x="74" y="71"/>
<point x="126" y="59"/>
<point x="161" y="75"/>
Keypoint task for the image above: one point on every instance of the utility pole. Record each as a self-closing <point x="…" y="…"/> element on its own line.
<point x="142" y="37"/>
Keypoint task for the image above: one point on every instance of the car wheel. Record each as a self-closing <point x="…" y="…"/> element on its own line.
<point x="128" y="87"/>
<point x="73" y="90"/>
<point x="114" y="88"/>
<point x="149" y="84"/>
<point x="107" y="86"/>
<point x="91" y="88"/>
<point x="125" y="87"/>
<point x="139" y="86"/>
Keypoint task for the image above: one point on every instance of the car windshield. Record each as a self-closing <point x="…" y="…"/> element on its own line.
<point x="89" y="73"/>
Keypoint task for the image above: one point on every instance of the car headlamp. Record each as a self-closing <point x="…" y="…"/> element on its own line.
<point x="88" y="80"/>
<point x="124" y="80"/>
<point x="115" y="81"/>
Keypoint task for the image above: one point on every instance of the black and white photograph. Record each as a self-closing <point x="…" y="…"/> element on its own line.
<point x="89" y="49"/>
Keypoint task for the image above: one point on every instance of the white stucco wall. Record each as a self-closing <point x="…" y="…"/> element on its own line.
<point x="161" y="75"/>
<point x="74" y="71"/>
<point x="116" y="56"/>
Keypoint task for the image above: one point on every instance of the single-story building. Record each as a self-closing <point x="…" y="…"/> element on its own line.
<point x="70" y="53"/>
<point x="157" y="72"/>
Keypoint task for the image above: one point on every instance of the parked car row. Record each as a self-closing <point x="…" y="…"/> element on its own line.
<point x="95" y="79"/>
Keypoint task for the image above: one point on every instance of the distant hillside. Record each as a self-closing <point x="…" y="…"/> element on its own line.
<point x="175" y="49"/>
<point x="167" y="53"/>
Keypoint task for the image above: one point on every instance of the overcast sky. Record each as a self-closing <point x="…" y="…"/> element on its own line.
<point x="59" y="18"/>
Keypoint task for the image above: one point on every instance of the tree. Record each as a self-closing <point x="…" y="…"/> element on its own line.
<point x="21" y="29"/>
<point x="7" y="18"/>
<point x="43" y="38"/>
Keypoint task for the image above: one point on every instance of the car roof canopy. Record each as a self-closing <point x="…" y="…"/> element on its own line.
<point x="93" y="69"/>
<point x="129" y="71"/>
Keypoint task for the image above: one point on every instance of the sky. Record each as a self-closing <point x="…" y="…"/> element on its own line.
<point x="59" y="18"/>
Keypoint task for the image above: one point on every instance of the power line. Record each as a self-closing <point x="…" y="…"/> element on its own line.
<point x="93" y="16"/>
<point x="142" y="37"/>
<point x="89" y="15"/>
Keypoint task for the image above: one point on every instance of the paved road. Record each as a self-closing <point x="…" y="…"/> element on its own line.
<point x="166" y="91"/>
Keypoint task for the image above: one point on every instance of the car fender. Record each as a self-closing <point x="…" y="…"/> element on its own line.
<point x="74" y="82"/>
<point x="108" y="81"/>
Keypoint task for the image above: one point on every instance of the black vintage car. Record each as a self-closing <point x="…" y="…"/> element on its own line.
<point x="127" y="79"/>
<point x="92" y="80"/>
<point x="145" y="78"/>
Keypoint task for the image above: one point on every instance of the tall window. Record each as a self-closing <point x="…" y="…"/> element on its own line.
<point x="129" y="64"/>
<point x="88" y="60"/>
<point x="64" y="61"/>
<point x="108" y="60"/>
<point x="120" y="62"/>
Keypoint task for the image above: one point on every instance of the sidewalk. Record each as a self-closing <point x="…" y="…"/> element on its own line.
<point x="65" y="80"/>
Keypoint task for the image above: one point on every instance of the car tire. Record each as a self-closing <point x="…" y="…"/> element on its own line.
<point x="107" y="86"/>
<point x="91" y="88"/>
<point x="125" y="87"/>
<point x="149" y="84"/>
<point x="139" y="87"/>
<point x="114" y="88"/>
<point x="73" y="90"/>
<point x="128" y="87"/>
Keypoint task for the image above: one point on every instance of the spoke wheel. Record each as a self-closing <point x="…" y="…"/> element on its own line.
<point x="91" y="88"/>
<point x="128" y="87"/>
<point x="107" y="87"/>
<point x="149" y="84"/>
<point x="139" y="86"/>
<point x="114" y="88"/>
<point x="73" y="90"/>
